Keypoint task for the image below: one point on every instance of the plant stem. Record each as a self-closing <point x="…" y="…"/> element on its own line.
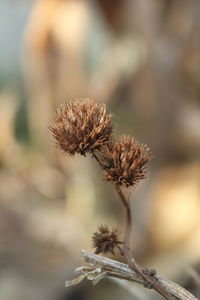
<point x="117" y="269"/>
<point x="150" y="279"/>
<point x="97" y="159"/>
<point x="128" y="218"/>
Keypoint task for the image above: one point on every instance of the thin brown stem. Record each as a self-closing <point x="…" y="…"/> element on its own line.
<point x="149" y="277"/>
<point x="150" y="280"/>
<point x="97" y="159"/>
<point x="128" y="218"/>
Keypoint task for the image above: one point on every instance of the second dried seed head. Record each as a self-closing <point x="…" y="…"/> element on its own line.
<point x="125" y="161"/>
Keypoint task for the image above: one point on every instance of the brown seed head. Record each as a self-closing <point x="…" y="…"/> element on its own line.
<point x="105" y="240"/>
<point x="125" y="161"/>
<point x="81" y="126"/>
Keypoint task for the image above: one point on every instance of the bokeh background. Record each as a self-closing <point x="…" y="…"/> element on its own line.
<point x="140" y="57"/>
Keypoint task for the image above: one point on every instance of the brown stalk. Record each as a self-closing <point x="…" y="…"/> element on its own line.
<point x="97" y="159"/>
<point x="149" y="277"/>
<point x="128" y="218"/>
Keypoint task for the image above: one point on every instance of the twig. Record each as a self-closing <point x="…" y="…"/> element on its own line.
<point x="149" y="276"/>
<point x="97" y="159"/>
<point x="126" y="204"/>
<point x="101" y="267"/>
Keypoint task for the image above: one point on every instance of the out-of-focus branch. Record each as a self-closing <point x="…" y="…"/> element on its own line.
<point x="101" y="267"/>
<point x="194" y="275"/>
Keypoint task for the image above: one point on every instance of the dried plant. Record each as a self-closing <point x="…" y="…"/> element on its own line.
<point x="125" y="161"/>
<point x="81" y="127"/>
<point x="105" y="240"/>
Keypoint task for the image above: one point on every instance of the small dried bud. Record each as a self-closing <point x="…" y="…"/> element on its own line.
<point x="125" y="162"/>
<point x="105" y="240"/>
<point x="81" y="126"/>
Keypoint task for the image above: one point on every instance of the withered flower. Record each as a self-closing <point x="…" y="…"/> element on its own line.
<point x="81" y="126"/>
<point x="125" y="161"/>
<point x="105" y="240"/>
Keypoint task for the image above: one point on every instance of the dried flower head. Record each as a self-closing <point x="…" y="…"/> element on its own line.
<point x="105" y="240"/>
<point x="125" y="161"/>
<point x="81" y="126"/>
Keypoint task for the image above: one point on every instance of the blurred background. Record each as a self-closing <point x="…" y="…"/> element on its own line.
<point x="140" y="57"/>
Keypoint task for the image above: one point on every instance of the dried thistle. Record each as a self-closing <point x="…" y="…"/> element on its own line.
<point x="125" y="161"/>
<point x="81" y="126"/>
<point x="105" y="240"/>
